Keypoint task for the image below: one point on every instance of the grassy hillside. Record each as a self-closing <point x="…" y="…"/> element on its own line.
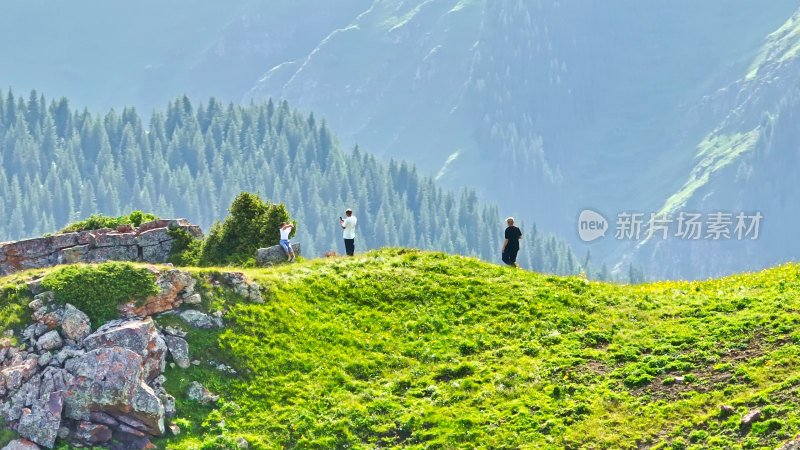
<point x="401" y="348"/>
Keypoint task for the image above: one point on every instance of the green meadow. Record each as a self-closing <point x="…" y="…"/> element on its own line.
<point x="402" y="348"/>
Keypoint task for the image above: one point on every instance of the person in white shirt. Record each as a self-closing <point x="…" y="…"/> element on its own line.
<point x="349" y="227"/>
<point x="286" y="228"/>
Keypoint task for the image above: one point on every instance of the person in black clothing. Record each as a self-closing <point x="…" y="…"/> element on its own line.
<point x="511" y="244"/>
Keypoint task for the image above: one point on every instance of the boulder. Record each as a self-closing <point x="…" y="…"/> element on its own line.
<point x="67" y="353"/>
<point x="21" y="444"/>
<point x="153" y="237"/>
<point x="92" y="433"/>
<point x="73" y="255"/>
<point x="179" y="350"/>
<point x="40" y="424"/>
<point x="197" y="392"/>
<point x="75" y="324"/>
<point x="200" y="320"/>
<point x="50" y="341"/>
<point x="13" y="376"/>
<point x="238" y="282"/>
<point x="139" y="335"/>
<point x="274" y="255"/>
<point x="194" y="299"/>
<point x="55" y="379"/>
<point x="111" y="381"/>
<point x="751" y="417"/>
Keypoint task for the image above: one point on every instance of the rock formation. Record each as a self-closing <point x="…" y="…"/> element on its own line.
<point x="147" y="243"/>
<point x="103" y="387"/>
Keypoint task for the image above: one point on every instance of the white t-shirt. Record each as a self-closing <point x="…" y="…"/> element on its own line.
<point x="285" y="233"/>
<point x="349" y="227"/>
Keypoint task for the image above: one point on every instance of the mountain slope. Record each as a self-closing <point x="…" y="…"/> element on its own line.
<point x="544" y="101"/>
<point x="400" y="348"/>
<point x="747" y="163"/>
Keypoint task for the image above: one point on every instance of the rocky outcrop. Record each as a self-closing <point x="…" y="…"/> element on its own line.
<point x="140" y="336"/>
<point x="274" y="255"/>
<point x="175" y="288"/>
<point x="105" y="387"/>
<point x="147" y="243"/>
<point x="112" y="381"/>
<point x="86" y="387"/>
<point x="239" y="284"/>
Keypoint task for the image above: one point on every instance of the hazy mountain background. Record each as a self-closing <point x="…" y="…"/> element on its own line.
<point x="544" y="107"/>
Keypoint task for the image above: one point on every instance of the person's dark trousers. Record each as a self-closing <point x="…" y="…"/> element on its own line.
<point x="349" y="246"/>
<point x="510" y="257"/>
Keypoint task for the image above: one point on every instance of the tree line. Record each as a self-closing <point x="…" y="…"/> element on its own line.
<point x="59" y="165"/>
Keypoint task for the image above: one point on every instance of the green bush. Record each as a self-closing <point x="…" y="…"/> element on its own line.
<point x="186" y="250"/>
<point x="6" y="434"/>
<point x="14" y="299"/>
<point x="98" y="221"/>
<point x="97" y="290"/>
<point x="252" y="224"/>
<point x="767" y="427"/>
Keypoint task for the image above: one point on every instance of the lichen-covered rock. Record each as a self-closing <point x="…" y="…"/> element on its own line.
<point x="794" y="444"/>
<point x="50" y="341"/>
<point x="21" y="444"/>
<point x="111" y="380"/>
<point x="153" y="237"/>
<point x="197" y="392"/>
<point x="140" y="336"/>
<point x="40" y="424"/>
<point x="238" y="282"/>
<point x="55" y="379"/>
<point x="179" y="350"/>
<point x="67" y="353"/>
<point x="274" y="255"/>
<point x="149" y="242"/>
<point x="14" y="376"/>
<point x="194" y="299"/>
<point x="103" y="254"/>
<point x="75" y="324"/>
<point x="173" y="285"/>
<point x="198" y="319"/>
<point x="113" y="239"/>
<point x="92" y="433"/>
